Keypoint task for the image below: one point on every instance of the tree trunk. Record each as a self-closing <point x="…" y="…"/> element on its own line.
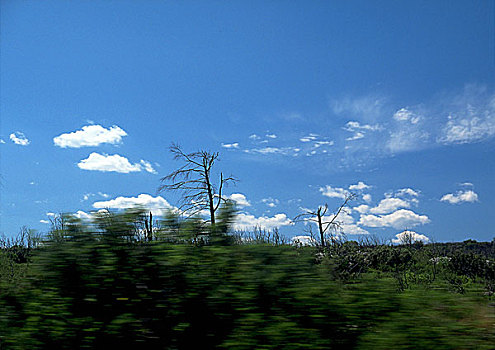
<point x="210" y="198"/>
<point x="320" y="228"/>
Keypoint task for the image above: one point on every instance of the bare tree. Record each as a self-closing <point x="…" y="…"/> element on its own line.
<point x="194" y="179"/>
<point x="318" y="216"/>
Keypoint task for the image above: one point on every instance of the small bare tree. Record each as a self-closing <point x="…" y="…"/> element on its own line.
<point x="318" y="216"/>
<point x="194" y="179"/>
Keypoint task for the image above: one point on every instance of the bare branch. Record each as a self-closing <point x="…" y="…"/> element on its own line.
<point x="194" y="180"/>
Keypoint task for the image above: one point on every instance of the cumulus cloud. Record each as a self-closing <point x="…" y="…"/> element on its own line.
<point x="90" y="135"/>
<point x="362" y="209"/>
<point x="359" y="186"/>
<point x="334" y="192"/>
<point x="157" y="205"/>
<point x="303" y="240"/>
<point x="271" y="136"/>
<point x="19" y="138"/>
<point x="230" y="145"/>
<point x="239" y="199"/>
<point x="399" y="219"/>
<point x="460" y="197"/>
<point x="245" y="221"/>
<point x="82" y="215"/>
<point x="389" y="205"/>
<point x="116" y="163"/>
<point x="409" y="237"/>
<point x="407" y="191"/>
<point x="367" y="198"/>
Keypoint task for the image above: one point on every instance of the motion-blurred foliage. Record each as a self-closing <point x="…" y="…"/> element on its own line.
<point x="107" y="284"/>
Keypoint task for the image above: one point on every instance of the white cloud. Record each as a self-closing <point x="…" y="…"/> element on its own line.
<point x="399" y="219"/>
<point x="51" y="214"/>
<point x="409" y="236"/>
<point x="323" y="143"/>
<point x="467" y="130"/>
<point x="19" y="138"/>
<point x="86" y="196"/>
<point x="460" y="197"/>
<point x="271" y="202"/>
<point x="82" y="215"/>
<point x="273" y="150"/>
<point x="254" y="137"/>
<point x="2" y="141"/>
<point x="408" y="133"/>
<point x="358" y="135"/>
<point x="158" y="205"/>
<point x="334" y="192"/>
<point x="271" y="136"/>
<point x="353" y="229"/>
<point x="310" y="137"/>
<point x="355" y="125"/>
<point x="303" y="241"/>
<point x="116" y="163"/>
<point x="471" y="116"/>
<point x="367" y="198"/>
<point x="147" y="166"/>
<point x="362" y="209"/>
<point x="404" y="114"/>
<point x="44" y="221"/>
<point x="230" y="145"/>
<point x="245" y="221"/>
<point x="239" y="199"/>
<point x="90" y="135"/>
<point x="359" y="186"/>
<point x="389" y="205"/>
<point x="359" y="129"/>
<point x="407" y="191"/>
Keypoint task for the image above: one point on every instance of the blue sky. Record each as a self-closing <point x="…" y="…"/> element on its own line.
<point x="394" y="101"/>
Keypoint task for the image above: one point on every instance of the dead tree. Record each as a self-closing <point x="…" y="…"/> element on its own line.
<point x="318" y="217"/>
<point x="194" y="180"/>
<point x="148" y="226"/>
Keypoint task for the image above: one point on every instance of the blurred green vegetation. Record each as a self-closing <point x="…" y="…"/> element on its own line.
<point x="121" y="281"/>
